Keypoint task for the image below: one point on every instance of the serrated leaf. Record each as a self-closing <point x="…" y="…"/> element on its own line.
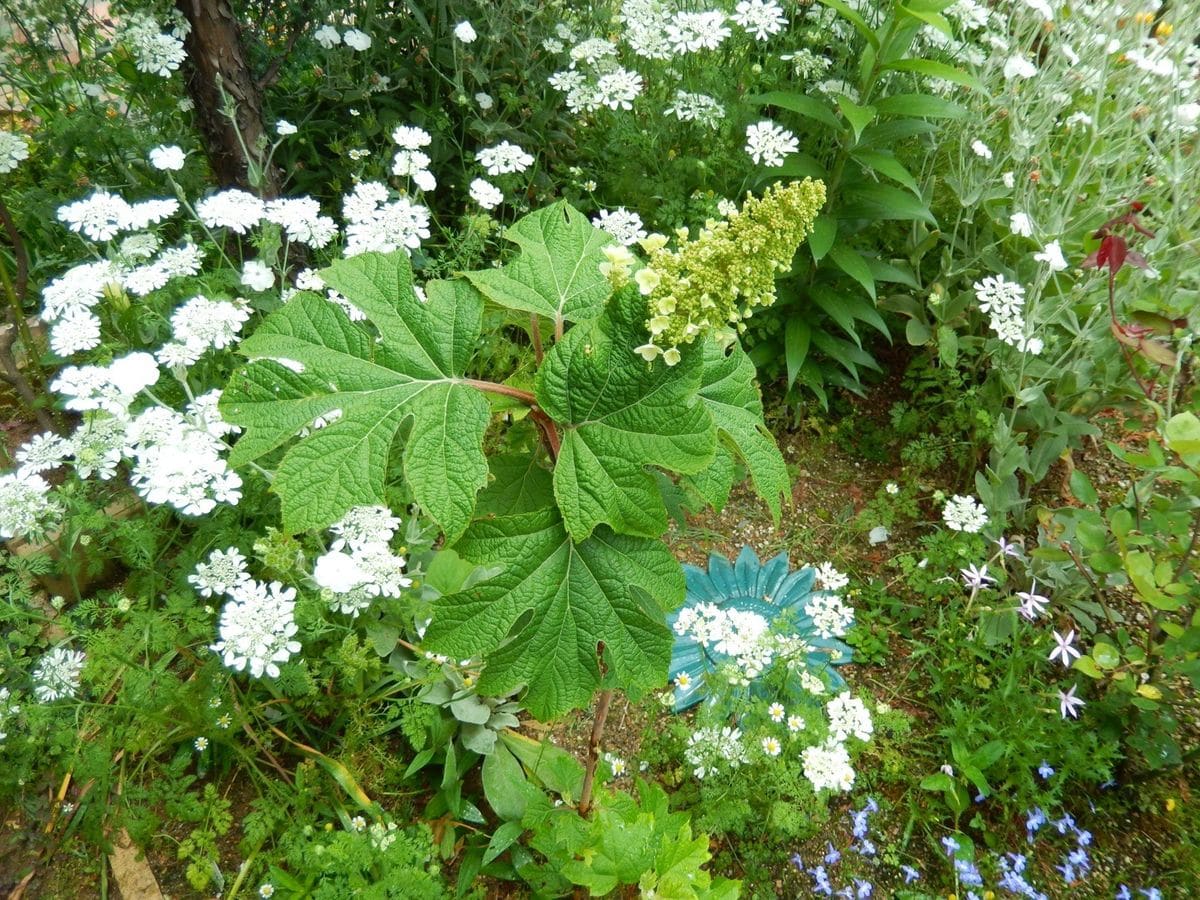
<point x="620" y="414"/>
<point x="728" y="390"/>
<point x="519" y="484"/>
<point x="557" y="273"/>
<point x="539" y="623"/>
<point x="414" y="371"/>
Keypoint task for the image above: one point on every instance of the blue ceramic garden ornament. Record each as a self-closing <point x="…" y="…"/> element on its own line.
<point x="767" y="589"/>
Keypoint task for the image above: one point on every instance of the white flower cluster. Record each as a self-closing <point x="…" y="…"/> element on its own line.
<point x="827" y="766"/>
<point x="167" y="157"/>
<point x="14" y="149"/>
<point x="301" y="220"/>
<point x="710" y="750"/>
<point x="360" y="565"/>
<point x="623" y="224"/>
<point x="56" y="675"/>
<point x="760" y="18"/>
<point x="179" y="463"/>
<point x="202" y="324"/>
<point x="830" y="616"/>
<point x="504" y="159"/>
<point x="699" y="108"/>
<point x="176" y="459"/>
<point x="410" y="160"/>
<point x="742" y="635"/>
<point x="691" y="32"/>
<point x="830" y="579"/>
<point x="486" y="194"/>
<point x="155" y="50"/>
<point x="849" y="716"/>
<point x="376" y="224"/>
<point x="223" y="572"/>
<point x="964" y="514"/>
<point x="769" y="144"/>
<point x="258" y="627"/>
<point x="1004" y="303"/>
<point x="26" y="509"/>
<point x="102" y="216"/>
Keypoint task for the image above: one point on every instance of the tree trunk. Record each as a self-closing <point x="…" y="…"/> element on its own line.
<point x="218" y="62"/>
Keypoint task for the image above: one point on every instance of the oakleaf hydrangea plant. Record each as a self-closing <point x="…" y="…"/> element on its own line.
<point x="569" y="514"/>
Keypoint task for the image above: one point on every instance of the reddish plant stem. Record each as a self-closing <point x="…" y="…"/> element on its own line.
<point x="1148" y="390"/>
<point x="544" y="423"/>
<point x="589" y="775"/>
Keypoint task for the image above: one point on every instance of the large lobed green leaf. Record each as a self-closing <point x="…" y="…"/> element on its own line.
<point x="620" y="414"/>
<point x="557" y="272"/>
<point x="542" y="620"/>
<point x="414" y="370"/>
<point x="730" y="394"/>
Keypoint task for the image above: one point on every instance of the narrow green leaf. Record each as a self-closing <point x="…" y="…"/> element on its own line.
<point x="801" y="104"/>
<point x="503" y="838"/>
<point x="859" y="117"/>
<point x="859" y="23"/>
<point x="935" y="69"/>
<point x="796" y="338"/>
<point x="853" y="265"/>
<point x="882" y="201"/>
<point x="823" y="235"/>
<point x="920" y="105"/>
<point x="886" y="164"/>
<point x="929" y="18"/>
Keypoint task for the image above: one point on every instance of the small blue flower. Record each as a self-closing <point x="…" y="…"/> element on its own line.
<point x="833" y="856"/>
<point x="1065" y="824"/>
<point x="860" y="823"/>
<point x="1068" y="871"/>
<point x="1045" y="770"/>
<point x="1084" y="837"/>
<point x="951" y="845"/>
<point x="1036" y="819"/>
<point x="863" y="889"/>
<point x="1151" y="893"/>
<point x="866" y="847"/>
<point x="910" y="874"/>
<point x="968" y="873"/>
<point x="1123" y="893"/>
<point x="1079" y="858"/>
<point x="872" y="806"/>
<point x="797" y="861"/>
<point x="821" y="881"/>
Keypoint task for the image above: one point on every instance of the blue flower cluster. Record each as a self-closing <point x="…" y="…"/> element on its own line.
<point x="861" y="843"/>
<point x="1074" y="867"/>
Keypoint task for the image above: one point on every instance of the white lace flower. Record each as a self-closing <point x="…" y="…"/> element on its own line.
<point x="258" y="628"/>
<point x="769" y="144"/>
<point x="56" y="675"/>
<point x="486" y="194"/>
<point x="504" y="158"/>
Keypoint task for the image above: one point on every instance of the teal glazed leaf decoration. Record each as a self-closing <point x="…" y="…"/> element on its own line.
<point x="749" y="585"/>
